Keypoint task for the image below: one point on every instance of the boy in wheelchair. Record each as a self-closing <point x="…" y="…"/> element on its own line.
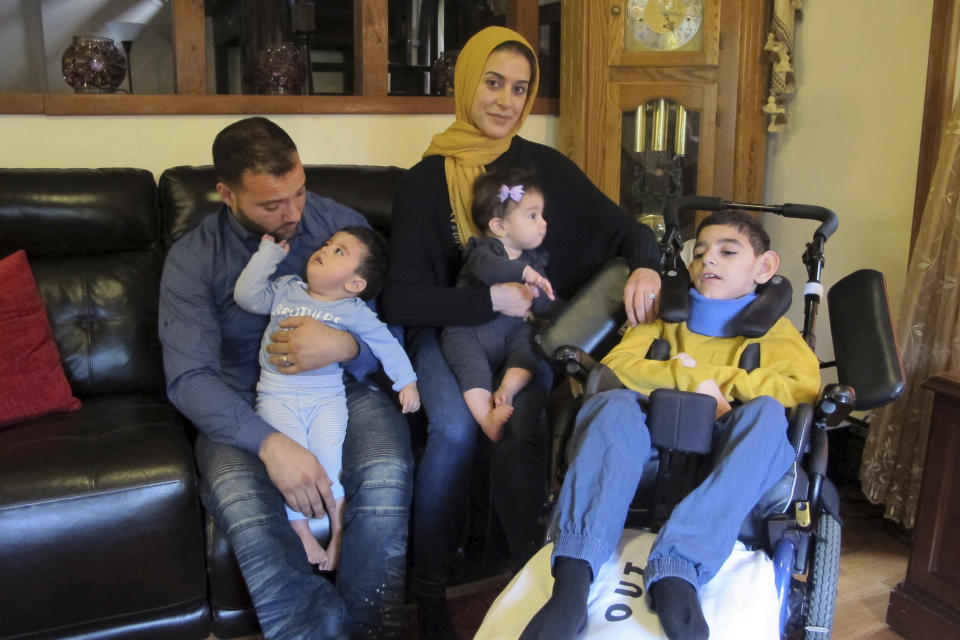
<point x="750" y="451"/>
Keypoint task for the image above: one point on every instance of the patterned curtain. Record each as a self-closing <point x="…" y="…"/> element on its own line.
<point x="929" y="328"/>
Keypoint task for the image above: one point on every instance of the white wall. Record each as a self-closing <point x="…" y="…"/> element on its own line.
<point x="851" y="143"/>
<point x="853" y="137"/>
<point x="158" y="142"/>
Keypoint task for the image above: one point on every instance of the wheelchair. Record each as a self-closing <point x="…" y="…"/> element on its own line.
<point x="798" y="521"/>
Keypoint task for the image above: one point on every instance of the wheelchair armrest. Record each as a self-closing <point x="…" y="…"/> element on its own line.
<point x="591" y="320"/>
<point x="800" y="423"/>
<point x="863" y="339"/>
<point x="601" y="378"/>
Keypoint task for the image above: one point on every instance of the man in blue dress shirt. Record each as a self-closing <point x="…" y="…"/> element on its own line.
<point x="248" y="469"/>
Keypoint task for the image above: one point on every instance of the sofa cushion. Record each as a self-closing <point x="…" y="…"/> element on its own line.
<point x="188" y="193"/>
<point x="31" y="379"/>
<point x="93" y="237"/>
<point x="100" y="525"/>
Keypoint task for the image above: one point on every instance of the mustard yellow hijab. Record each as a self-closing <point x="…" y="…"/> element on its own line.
<point x="464" y="147"/>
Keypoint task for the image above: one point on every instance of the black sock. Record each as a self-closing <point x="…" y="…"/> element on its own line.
<point x="678" y="607"/>
<point x="565" y="613"/>
<point x="433" y="619"/>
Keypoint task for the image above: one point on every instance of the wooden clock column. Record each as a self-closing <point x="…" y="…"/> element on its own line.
<point x="926" y="605"/>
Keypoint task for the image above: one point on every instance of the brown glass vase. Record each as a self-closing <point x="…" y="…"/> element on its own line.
<point x="92" y="64"/>
<point x="281" y="70"/>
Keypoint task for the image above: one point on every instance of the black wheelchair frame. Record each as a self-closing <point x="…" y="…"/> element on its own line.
<point x="799" y="525"/>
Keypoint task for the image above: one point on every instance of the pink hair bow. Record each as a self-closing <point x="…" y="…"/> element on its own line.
<point x="515" y="193"/>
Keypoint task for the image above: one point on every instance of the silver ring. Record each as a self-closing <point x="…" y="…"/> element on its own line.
<point x="286" y="360"/>
<point x="651" y="296"/>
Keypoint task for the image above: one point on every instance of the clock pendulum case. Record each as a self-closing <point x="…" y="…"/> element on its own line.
<point x="656" y="98"/>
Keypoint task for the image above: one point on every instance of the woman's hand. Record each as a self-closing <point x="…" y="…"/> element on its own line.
<point x="641" y="296"/>
<point x="306" y="344"/>
<point x="512" y="298"/>
<point x="534" y="279"/>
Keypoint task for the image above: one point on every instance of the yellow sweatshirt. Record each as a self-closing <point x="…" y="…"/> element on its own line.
<point x="789" y="371"/>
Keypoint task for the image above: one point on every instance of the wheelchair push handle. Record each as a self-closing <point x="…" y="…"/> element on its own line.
<point x="674" y="206"/>
<point x="826" y="217"/>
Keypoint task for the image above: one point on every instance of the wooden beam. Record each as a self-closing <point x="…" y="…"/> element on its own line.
<point x="85" y="104"/>
<point x="582" y="90"/>
<point x="21" y="102"/>
<point x="189" y="47"/>
<point x="750" y="133"/>
<point x="523" y="16"/>
<point x="370" y="47"/>
<point x="938" y="103"/>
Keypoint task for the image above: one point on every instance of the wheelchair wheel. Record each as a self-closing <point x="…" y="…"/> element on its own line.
<point x="824" y="574"/>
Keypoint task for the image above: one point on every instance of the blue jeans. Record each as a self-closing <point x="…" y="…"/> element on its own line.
<point x="518" y="468"/>
<point x="290" y="599"/>
<point x="611" y="443"/>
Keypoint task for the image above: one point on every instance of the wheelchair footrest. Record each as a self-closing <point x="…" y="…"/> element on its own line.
<point x="679" y="473"/>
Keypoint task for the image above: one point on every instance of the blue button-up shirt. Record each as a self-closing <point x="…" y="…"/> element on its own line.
<point x="210" y="344"/>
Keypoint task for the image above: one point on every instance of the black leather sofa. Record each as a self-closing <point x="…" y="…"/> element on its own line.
<point x="101" y="531"/>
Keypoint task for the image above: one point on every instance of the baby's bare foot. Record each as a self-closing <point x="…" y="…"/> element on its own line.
<point x="503" y="397"/>
<point x="493" y="423"/>
<point x="332" y="554"/>
<point x="315" y="553"/>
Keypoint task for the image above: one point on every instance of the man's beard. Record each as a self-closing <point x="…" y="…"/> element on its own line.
<point x="283" y="232"/>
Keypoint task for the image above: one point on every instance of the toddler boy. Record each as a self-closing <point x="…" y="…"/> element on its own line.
<point x="310" y="407"/>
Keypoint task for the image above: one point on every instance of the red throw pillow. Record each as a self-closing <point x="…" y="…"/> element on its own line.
<point x="32" y="382"/>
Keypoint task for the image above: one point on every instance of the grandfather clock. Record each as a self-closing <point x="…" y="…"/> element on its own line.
<point x="660" y="97"/>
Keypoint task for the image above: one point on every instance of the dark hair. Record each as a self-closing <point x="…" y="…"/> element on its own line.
<point x="373" y="267"/>
<point x="745" y="223"/>
<point x="486" y="193"/>
<point x="252" y="144"/>
<point x="518" y="47"/>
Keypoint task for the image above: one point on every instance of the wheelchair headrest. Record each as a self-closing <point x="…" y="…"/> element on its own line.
<point x="772" y="301"/>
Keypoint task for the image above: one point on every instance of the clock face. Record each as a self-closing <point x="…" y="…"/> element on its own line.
<point x="663" y="25"/>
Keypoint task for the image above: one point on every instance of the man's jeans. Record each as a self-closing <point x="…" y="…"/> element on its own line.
<point x="518" y="474"/>
<point x="611" y="443"/>
<point x="290" y="599"/>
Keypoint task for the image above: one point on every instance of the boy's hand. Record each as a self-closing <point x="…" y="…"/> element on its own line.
<point x="283" y="243"/>
<point x="531" y="277"/>
<point x="641" y="296"/>
<point x="685" y="359"/>
<point x="409" y="398"/>
<point x="710" y="388"/>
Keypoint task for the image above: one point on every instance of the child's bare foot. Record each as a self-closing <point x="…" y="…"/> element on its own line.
<point x="315" y="553"/>
<point x="336" y="535"/>
<point x="514" y="379"/>
<point x="492" y="424"/>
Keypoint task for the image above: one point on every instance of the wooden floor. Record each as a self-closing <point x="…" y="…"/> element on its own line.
<point x="873" y="560"/>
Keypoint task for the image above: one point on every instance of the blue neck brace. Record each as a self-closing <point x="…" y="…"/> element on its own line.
<point x="716" y="318"/>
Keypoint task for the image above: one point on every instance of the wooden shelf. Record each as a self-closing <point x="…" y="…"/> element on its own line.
<point x="119" y="104"/>
<point x="370" y="18"/>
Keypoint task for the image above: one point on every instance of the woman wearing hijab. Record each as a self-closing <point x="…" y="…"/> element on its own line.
<point x="495" y="84"/>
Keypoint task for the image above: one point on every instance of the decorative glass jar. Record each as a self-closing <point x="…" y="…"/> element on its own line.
<point x="92" y="64"/>
<point x="281" y="69"/>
